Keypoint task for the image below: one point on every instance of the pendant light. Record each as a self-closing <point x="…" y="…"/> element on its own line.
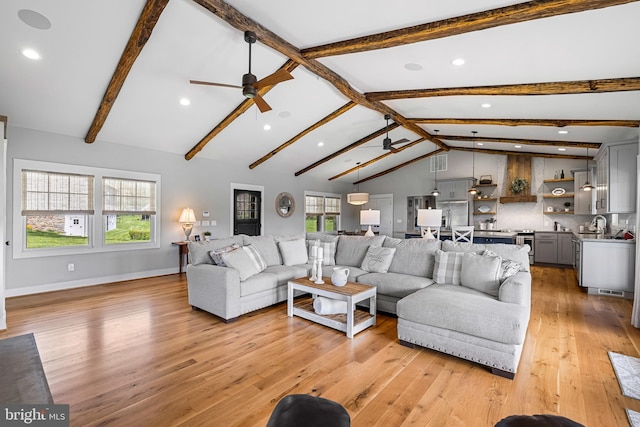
<point x="435" y="191"/>
<point x="357" y="198"/>
<point x="473" y="190"/>
<point x="587" y="186"/>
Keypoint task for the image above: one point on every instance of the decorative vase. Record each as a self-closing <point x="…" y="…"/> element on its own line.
<point x="339" y="276"/>
<point x="319" y="280"/>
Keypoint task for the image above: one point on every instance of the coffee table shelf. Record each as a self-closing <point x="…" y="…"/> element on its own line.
<point x="352" y="322"/>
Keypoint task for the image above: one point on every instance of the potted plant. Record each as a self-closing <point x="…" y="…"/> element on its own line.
<point x="207" y="235"/>
<point x="518" y="185"/>
<point x="566" y="206"/>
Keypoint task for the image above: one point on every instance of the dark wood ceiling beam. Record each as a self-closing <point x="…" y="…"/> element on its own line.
<point x="522" y="153"/>
<point x="387" y="154"/>
<point x="349" y="147"/>
<point x="237" y="112"/>
<point x="243" y="23"/>
<point x="521" y="12"/>
<point x="400" y="166"/>
<point x="346" y="107"/>
<point x="546" y="88"/>
<point x="526" y="122"/>
<point x="139" y="37"/>
<point x="577" y="144"/>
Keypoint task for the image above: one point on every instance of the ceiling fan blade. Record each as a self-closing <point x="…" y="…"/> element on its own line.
<point x="400" y="141"/>
<point x="261" y="103"/>
<point x="272" y="79"/>
<point x="394" y="150"/>
<point x="198" y="82"/>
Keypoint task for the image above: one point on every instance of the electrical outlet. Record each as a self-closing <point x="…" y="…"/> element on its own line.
<point x="71" y="267"/>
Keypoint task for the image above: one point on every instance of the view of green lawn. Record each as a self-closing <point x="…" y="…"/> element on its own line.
<point x="126" y="227"/>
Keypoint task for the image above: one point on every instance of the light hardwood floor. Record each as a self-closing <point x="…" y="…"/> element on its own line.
<point x="135" y="354"/>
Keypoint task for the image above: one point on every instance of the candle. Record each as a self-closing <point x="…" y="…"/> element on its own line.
<point x="314" y="251"/>
<point x="320" y="253"/>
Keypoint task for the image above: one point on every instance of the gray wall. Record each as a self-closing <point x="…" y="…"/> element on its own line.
<point x="199" y="183"/>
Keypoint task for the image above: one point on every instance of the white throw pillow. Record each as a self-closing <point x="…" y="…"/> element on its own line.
<point x="481" y="273"/>
<point x="378" y="260"/>
<point x="247" y="260"/>
<point x="294" y="252"/>
<point x="508" y="267"/>
<point x="447" y="267"/>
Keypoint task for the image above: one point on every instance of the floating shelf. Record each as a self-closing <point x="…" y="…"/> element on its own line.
<point x="519" y="199"/>
<point x="559" y="180"/>
<point x="484" y="213"/>
<point x="488" y="199"/>
<point x="561" y="196"/>
<point x="559" y="213"/>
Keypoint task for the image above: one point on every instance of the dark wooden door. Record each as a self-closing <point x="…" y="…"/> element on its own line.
<point x="246" y="212"/>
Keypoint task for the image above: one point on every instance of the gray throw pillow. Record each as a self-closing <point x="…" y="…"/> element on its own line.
<point x="447" y="267"/>
<point x="481" y="273"/>
<point x="378" y="260"/>
<point x="294" y="252"/>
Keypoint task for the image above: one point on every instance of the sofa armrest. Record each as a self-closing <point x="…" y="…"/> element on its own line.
<point x="214" y="289"/>
<point x="516" y="289"/>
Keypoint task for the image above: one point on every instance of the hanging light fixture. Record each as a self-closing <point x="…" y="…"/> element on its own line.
<point x="587" y="186"/>
<point x="357" y="198"/>
<point x="473" y="190"/>
<point x="435" y="191"/>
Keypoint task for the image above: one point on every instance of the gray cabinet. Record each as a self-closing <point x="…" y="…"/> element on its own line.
<point x="546" y="248"/>
<point x="454" y="189"/>
<point x="616" y="184"/>
<point x="584" y="202"/>
<point x="553" y="248"/>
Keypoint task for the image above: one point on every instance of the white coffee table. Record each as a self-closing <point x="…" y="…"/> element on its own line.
<point x="352" y="322"/>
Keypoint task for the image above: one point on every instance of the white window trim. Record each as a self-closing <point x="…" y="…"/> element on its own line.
<point x="321" y="194"/>
<point x="96" y="222"/>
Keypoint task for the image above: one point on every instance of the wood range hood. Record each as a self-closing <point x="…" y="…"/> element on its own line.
<point x="518" y="167"/>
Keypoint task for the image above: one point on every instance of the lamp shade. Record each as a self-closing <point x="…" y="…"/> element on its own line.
<point x="369" y="217"/>
<point x="357" y="198"/>
<point x="187" y="216"/>
<point x="429" y="217"/>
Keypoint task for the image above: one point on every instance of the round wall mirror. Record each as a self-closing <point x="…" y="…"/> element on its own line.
<point x="285" y="205"/>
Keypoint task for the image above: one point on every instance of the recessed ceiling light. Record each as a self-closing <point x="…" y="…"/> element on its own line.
<point x="479" y="143"/>
<point x="320" y="144"/>
<point x="563" y="132"/>
<point x="30" y="53"/>
<point x="562" y="149"/>
<point x="413" y="67"/>
<point x="34" y="19"/>
<point x="266" y="127"/>
<point x="184" y="101"/>
<point x="517" y="146"/>
<point x="485" y="105"/>
<point x="458" y="61"/>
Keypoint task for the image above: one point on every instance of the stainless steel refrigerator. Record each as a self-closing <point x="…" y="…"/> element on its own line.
<point x="454" y="212"/>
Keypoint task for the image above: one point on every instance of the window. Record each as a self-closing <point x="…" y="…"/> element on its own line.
<point x="322" y="212"/>
<point x="439" y="163"/>
<point x="68" y="209"/>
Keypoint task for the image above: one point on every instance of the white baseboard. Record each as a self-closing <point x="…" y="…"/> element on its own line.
<point x="59" y="286"/>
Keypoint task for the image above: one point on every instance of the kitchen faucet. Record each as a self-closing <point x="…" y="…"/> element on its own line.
<point x="594" y="221"/>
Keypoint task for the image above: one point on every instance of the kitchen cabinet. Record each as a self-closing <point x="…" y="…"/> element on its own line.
<point x="584" y="202"/>
<point x="616" y="173"/>
<point x="553" y="248"/>
<point x="607" y="266"/>
<point x="454" y="189"/>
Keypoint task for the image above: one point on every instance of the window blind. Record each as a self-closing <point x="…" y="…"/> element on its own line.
<point x="128" y="197"/>
<point x="314" y="205"/>
<point x="53" y="193"/>
<point x="332" y="206"/>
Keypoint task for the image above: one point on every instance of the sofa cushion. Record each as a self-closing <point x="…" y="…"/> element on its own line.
<point x="517" y="253"/>
<point x="328" y="250"/>
<point x="481" y="273"/>
<point x="258" y="283"/>
<point x="413" y="256"/>
<point x="323" y="236"/>
<point x="395" y="284"/>
<point x="266" y="245"/>
<point x="466" y="310"/>
<point x="293" y="252"/>
<point x="378" y="259"/>
<point x="450" y="246"/>
<point x="199" y="251"/>
<point x="285" y="273"/>
<point x="354" y="272"/>
<point x="247" y="260"/>
<point x="507" y="267"/>
<point x="216" y="255"/>
<point x="447" y="267"/>
<point x="352" y="249"/>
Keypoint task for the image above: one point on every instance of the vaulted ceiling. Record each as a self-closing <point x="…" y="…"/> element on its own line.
<point x="116" y="71"/>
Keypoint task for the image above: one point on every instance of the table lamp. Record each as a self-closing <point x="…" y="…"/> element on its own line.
<point x="429" y="218"/>
<point x="187" y="218"/>
<point x="369" y="217"/>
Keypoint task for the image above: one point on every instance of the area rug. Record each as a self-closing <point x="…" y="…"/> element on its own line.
<point x="22" y="378"/>
<point x="634" y="418"/>
<point x="627" y="371"/>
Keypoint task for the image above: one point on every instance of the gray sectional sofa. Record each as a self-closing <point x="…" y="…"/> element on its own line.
<point x="468" y="300"/>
